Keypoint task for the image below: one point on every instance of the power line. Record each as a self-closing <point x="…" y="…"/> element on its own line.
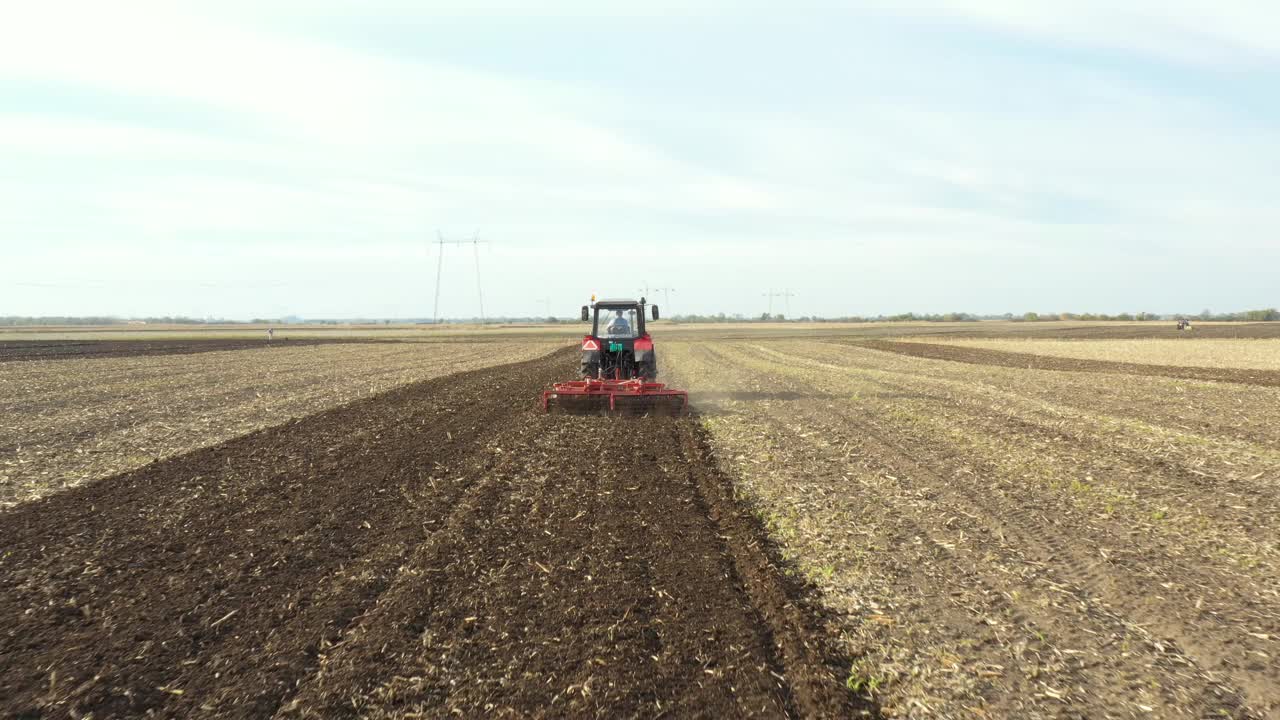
<point x="475" y="247"/>
<point x="771" y="295"/>
<point x="666" y="295"/>
<point x="474" y="241"/>
<point x="787" y="294"/>
<point x="99" y="285"/>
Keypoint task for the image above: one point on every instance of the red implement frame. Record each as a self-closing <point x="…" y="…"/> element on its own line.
<point x="633" y="394"/>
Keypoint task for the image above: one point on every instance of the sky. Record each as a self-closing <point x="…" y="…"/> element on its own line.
<point x="241" y="159"/>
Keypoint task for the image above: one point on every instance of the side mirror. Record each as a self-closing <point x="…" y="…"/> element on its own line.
<point x="655" y="312"/>
<point x="586" y="314"/>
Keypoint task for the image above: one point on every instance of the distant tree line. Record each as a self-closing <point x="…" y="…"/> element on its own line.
<point x="780" y="317"/>
<point x="1269" y="314"/>
<point x="14" y="320"/>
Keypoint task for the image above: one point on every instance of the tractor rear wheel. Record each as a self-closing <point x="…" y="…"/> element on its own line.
<point x="648" y="369"/>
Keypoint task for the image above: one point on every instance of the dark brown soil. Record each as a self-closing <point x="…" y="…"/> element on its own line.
<point x="442" y="548"/>
<point x="1131" y="331"/>
<point x="14" y="350"/>
<point x="1029" y="361"/>
<point x="1095" y="331"/>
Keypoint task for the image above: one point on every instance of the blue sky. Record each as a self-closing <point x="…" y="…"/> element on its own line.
<point x="246" y="159"/>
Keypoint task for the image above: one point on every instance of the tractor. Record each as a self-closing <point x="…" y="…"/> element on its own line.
<point x="618" y="347"/>
<point x="618" y="366"/>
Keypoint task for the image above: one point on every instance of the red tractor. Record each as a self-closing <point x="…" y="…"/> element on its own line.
<point x="619" y="366"/>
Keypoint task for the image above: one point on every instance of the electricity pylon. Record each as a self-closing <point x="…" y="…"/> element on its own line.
<point x="474" y="241"/>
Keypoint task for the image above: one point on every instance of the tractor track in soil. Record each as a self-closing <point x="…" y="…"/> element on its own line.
<point x="442" y="547"/>
<point x="1029" y="361"/>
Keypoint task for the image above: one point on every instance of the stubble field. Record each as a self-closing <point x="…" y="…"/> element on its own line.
<point x="856" y="522"/>
<point x="1254" y="353"/>
<point x="1013" y="542"/>
<point x="117" y="405"/>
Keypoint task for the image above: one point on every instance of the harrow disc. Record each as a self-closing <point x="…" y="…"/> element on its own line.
<point x="571" y="404"/>
<point x="614" y="397"/>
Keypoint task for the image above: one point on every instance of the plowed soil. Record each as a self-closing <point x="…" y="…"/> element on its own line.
<point x="440" y="548"/>
<point x="1084" y="330"/>
<point x="67" y="422"/>
<point x="15" y="350"/>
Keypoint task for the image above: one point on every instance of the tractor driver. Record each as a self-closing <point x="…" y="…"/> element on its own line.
<point x="618" y="326"/>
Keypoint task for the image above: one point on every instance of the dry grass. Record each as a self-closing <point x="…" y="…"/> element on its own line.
<point x="65" y="422"/>
<point x="1023" y="542"/>
<point x="1257" y="354"/>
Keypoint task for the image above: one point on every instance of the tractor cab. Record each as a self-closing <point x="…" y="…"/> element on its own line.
<point x="619" y="346"/>
<point x="618" y="324"/>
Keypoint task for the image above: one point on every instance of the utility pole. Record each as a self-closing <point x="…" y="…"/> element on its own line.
<point x="787" y="294"/>
<point x="475" y="247"/>
<point x="771" y="295"/>
<point x="666" y="298"/>
<point x="546" y="302"/>
<point x="666" y="294"/>
<point x="435" y="309"/>
<point x="474" y="241"/>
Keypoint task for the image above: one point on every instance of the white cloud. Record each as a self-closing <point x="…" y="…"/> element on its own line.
<point x="1205" y="31"/>
<point x="345" y="159"/>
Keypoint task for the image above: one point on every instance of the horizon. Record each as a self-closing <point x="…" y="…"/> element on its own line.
<point x="1206" y="315"/>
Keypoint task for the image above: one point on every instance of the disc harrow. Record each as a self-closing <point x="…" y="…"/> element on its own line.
<point x="615" y="397"/>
